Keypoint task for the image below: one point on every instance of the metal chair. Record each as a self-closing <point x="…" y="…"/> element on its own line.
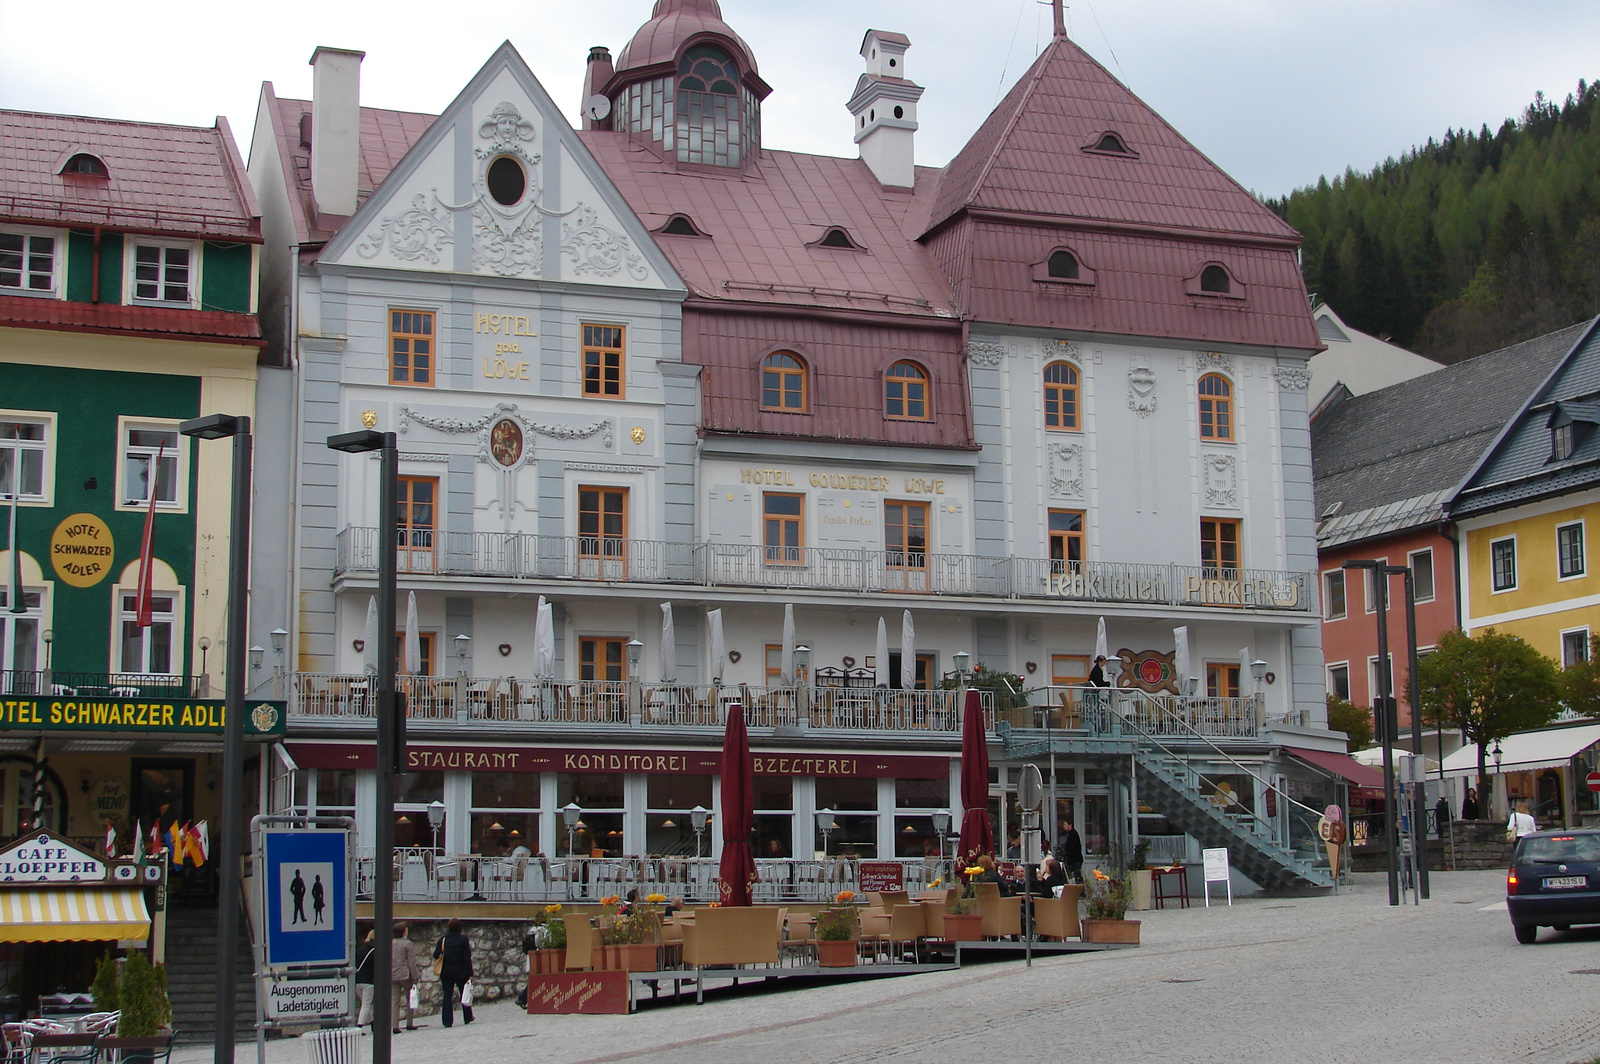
<point x="56" y="1048"/>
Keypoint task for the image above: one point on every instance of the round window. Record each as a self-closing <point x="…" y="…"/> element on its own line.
<point x="507" y="182"/>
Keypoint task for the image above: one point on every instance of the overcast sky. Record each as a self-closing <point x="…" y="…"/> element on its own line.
<point x="1278" y="92"/>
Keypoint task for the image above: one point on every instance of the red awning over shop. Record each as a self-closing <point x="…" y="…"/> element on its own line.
<point x="1341" y="765"/>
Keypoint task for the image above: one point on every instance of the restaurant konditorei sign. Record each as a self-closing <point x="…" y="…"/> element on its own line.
<point x="147" y="716"/>
<point x="42" y="859"/>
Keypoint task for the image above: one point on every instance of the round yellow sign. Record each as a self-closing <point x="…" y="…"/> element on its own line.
<point x="81" y="550"/>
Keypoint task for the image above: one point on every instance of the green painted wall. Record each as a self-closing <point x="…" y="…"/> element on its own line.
<point x="87" y="405"/>
<point x="225" y="277"/>
<point x="80" y="267"/>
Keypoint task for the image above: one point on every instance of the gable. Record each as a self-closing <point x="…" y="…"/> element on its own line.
<point x="501" y="186"/>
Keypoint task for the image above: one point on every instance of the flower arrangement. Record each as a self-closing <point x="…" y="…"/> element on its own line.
<point x="965" y="903"/>
<point x="1108" y="896"/>
<point x="549" y="930"/>
<point x="845" y="897"/>
<point x="836" y="925"/>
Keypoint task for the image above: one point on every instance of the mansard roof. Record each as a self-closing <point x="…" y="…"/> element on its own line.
<point x="673" y="24"/>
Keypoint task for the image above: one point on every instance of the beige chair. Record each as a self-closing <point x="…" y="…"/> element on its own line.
<point x="933" y="913"/>
<point x="1058" y="917"/>
<point x="732" y="935"/>
<point x="907" y="924"/>
<point x="582" y="940"/>
<point x="888" y="899"/>
<point x="1001" y="916"/>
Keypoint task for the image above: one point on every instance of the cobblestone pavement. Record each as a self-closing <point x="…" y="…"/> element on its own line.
<point x="1337" y="978"/>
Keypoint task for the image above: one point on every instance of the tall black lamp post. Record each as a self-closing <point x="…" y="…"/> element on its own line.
<point x="391" y="726"/>
<point x="1419" y="801"/>
<point x="1380" y="579"/>
<point x="218" y="427"/>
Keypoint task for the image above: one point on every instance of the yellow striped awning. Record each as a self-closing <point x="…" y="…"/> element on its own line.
<point x="73" y="914"/>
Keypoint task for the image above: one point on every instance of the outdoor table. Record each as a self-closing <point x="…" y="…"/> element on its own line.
<point x="1179" y="891"/>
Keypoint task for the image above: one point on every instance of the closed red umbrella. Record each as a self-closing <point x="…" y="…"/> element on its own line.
<point x="977" y="837"/>
<point x="737" y="872"/>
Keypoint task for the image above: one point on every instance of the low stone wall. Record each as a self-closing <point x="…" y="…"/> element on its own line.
<point x="499" y="966"/>
<point x="1477" y="844"/>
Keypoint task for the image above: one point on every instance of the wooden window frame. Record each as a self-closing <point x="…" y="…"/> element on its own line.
<point x="1066" y="563"/>
<point x="605" y="547"/>
<point x="413" y="537"/>
<point x="427" y="643"/>
<point x="172" y="619"/>
<point x="1227" y="670"/>
<point x="1494" y="567"/>
<point x="780" y="375"/>
<point x="772" y="664"/>
<point x="901" y="382"/>
<point x="178" y="454"/>
<point x="1582" y="651"/>
<point x="1561" y="553"/>
<point x="781" y="553"/>
<point x="1216" y="409"/>
<point x="1335" y="667"/>
<point x="26" y="262"/>
<point x="1066" y="398"/>
<point x="1062" y="678"/>
<point x="163" y="248"/>
<point x="609" y="362"/>
<point x="589" y="659"/>
<point x="1329" y="577"/>
<point x="905" y="552"/>
<point x="1433" y="574"/>
<point x="407" y="377"/>
<point x="1216" y="566"/>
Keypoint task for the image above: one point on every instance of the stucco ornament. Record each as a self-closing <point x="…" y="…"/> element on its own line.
<point x="1221" y="480"/>
<point x="505" y="125"/>
<point x="1294" y="378"/>
<point x="985" y="353"/>
<point x="1213" y="362"/>
<point x="1066" y="470"/>
<point x="493" y="447"/>
<point x="1059" y="349"/>
<point x="421" y="231"/>
<point x="1141" y="389"/>
<point x="597" y="248"/>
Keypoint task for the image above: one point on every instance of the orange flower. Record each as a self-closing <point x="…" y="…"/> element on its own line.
<point x="845" y="896"/>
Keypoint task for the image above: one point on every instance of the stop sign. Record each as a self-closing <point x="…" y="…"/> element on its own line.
<point x="1593" y="780"/>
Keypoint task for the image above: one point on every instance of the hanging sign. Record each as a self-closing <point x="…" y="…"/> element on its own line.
<point x="81" y="550"/>
<point x="42" y="859"/>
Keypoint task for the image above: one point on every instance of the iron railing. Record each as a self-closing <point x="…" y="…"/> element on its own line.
<point x="56" y="682"/>
<point x="524" y="556"/>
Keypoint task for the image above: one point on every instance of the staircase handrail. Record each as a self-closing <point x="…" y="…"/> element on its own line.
<point x="1175" y="718"/>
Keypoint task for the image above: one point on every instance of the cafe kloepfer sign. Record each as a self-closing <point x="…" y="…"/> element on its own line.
<point x="42" y="859"/>
<point x="146" y="716"/>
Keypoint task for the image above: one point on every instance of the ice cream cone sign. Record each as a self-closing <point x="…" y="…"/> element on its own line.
<point x="1330" y="827"/>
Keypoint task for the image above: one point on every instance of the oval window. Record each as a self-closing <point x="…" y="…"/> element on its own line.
<point x="507" y="182"/>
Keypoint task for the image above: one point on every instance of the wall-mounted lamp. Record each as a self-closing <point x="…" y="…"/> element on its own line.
<point x="463" y="642"/>
<point x="1258" y="670"/>
<point x="635" y="652"/>
<point x="961" y="657"/>
<point x="802" y="663"/>
<point x="280" y="642"/>
<point x="256" y="654"/>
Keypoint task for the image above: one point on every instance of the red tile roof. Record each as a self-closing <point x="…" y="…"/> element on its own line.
<point x="177" y="180"/>
<point x="1029" y="157"/>
<point x="158" y="322"/>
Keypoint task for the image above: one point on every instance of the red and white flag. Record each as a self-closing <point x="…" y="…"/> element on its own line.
<point x="144" y="607"/>
<point x="111" y="839"/>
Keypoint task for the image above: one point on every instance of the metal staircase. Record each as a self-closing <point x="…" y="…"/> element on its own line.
<point x="1171" y="765"/>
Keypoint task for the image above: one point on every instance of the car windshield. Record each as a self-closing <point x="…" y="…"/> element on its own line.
<point x="1561" y="849"/>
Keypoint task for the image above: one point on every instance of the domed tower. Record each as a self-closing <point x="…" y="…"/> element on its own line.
<point x="687" y="85"/>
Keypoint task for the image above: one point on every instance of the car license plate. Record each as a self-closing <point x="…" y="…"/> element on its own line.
<point x="1564" y="882"/>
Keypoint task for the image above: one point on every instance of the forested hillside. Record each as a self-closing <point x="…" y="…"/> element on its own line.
<point x="1466" y="244"/>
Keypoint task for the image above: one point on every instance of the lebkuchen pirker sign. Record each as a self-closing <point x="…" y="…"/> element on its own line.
<point x="147" y="716"/>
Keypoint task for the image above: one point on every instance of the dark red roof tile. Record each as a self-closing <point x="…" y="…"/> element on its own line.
<point x="221" y="326"/>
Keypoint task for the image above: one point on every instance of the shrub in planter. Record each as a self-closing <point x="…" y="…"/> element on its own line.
<point x="144" y="1004"/>
<point x="106" y="985"/>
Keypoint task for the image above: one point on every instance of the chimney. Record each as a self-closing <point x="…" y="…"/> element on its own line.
<point x="598" y="71"/>
<point x="883" y="110"/>
<point x="335" y="128"/>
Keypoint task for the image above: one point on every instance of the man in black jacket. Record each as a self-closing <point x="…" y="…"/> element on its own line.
<point x="1070" y="849"/>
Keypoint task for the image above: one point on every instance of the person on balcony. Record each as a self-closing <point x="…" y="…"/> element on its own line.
<point x="1098" y="700"/>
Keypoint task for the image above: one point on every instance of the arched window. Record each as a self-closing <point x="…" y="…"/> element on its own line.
<point x="84" y="163"/>
<point x="836" y="237"/>
<point x="1064" y="264"/>
<point x="905" y="392"/>
<point x="1216" y="407"/>
<point x="783" y="383"/>
<point x="1111" y="142"/>
<point x="1215" y="279"/>
<point x="1061" y="396"/>
<point x="680" y="225"/>
<point x="705" y="68"/>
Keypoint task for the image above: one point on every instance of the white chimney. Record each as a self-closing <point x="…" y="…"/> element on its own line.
<point x="883" y="110"/>
<point x="335" y="128"/>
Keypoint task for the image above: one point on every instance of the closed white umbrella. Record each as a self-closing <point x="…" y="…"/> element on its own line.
<point x="883" y="654"/>
<point x="719" y="648"/>
<point x="669" y="646"/>
<point x="1180" y="657"/>
<point x="787" y="664"/>
<point x="413" y="660"/>
<point x="908" y="652"/>
<point x="369" y="640"/>
<point x="1101" y="647"/>
<point x="1244" y="673"/>
<point x="544" y="640"/>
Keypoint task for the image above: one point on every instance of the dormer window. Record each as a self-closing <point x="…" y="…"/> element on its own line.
<point x="1561" y="442"/>
<point x="1570" y="424"/>
<point x="1111" y="142"/>
<point x="705" y="68"/>
<point x="837" y="237"/>
<point x="1064" y="265"/>
<point x="84" y="163"/>
<point x="1215" y="279"/>
<point x="680" y="225"/>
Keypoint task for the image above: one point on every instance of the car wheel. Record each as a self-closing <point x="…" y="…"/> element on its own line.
<point x="1526" y="933"/>
<point x="1562" y="927"/>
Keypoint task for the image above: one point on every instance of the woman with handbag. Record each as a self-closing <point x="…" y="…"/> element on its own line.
<point x="404" y="972"/>
<point x="366" y="956"/>
<point x="452" y="963"/>
<point x="1521" y="823"/>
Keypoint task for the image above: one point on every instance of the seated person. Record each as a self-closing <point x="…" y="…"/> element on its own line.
<point x="1050" y="877"/>
<point x="990" y="874"/>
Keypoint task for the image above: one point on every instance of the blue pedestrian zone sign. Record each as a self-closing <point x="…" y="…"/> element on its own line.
<point x="305" y="896"/>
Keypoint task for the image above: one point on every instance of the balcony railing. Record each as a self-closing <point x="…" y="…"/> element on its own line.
<point x="56" y="682"/>
<point x="1098" y="710"/>
<point x="512" y="701"/>
<point x="522" y="556"/>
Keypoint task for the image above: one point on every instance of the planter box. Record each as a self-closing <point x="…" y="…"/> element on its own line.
<point x="963" y="927"/>
<point x="636" y="957"/>
<point x="837" y="954"/>
<point x="1141" y="889"/>
<point x="548" y="961"/>
<point x="1122" y="932"/>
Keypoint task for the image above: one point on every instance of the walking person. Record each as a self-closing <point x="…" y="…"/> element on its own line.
<point x="1071" y="850"/>
<point x="456" y="972"/>
<point x="1521" y="822"/>
<point x="366" y="960"/>
<point x="403" y="975"/>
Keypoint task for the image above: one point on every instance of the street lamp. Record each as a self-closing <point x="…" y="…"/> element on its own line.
<point x="802" y="663"/>
<point x="961" y="657"/>
<point x="391" y="725"/>
<point x="435" y="820"/>
<point x="219" y="427"/>
<point x="697" y="819"/>
<point x="257" y="652"/>
<point x="1384" y="704"/>
<point x="825" y="825"/>
<point x="570" y="814"/>
<point x="941" y="825"/>
<point x="462" y="642"/>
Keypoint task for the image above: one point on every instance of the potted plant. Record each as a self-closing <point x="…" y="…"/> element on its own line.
<point x="104" y="989"/>
<point x="548" y="942"/>
<point x="1139" y="870"/>
<point x="837" y="938"/>
<point x="1106" y="898"/>
<point x="145" y="1009"/>
<point x="962" y="920"/>
<point x="635" y="935"/>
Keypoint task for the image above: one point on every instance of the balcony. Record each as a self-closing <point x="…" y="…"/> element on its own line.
<point x="509" y="704"/>
<point x="59" y="682"/>
<point x="523" y="556"/>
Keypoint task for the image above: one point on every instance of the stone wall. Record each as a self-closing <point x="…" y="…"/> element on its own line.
<point x="499" y="966"/>
<point x="1479" y="844"/>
